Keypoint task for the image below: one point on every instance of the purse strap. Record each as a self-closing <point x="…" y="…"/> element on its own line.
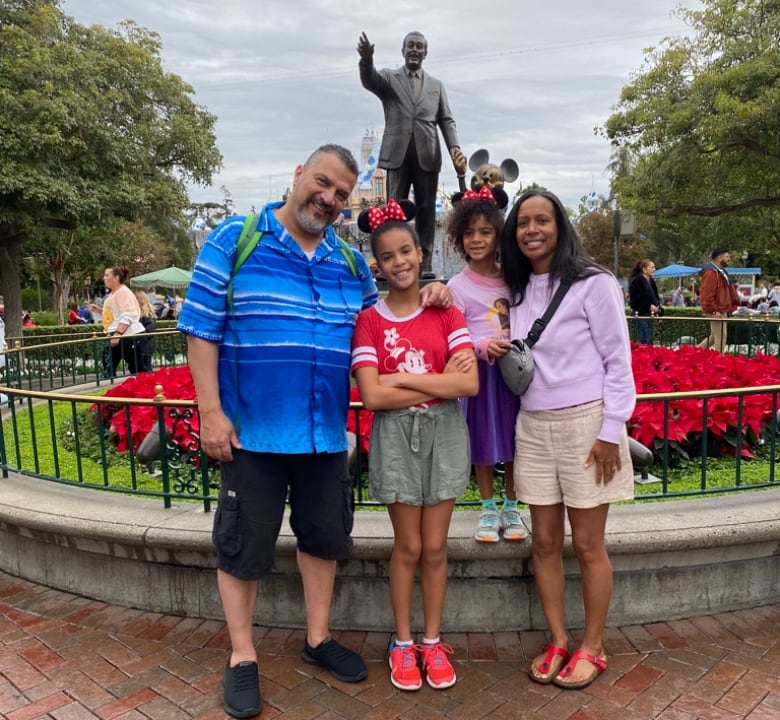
<point x="541" y="323"/>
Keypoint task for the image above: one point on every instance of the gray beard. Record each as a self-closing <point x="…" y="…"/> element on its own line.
<point x="310" y="225"/>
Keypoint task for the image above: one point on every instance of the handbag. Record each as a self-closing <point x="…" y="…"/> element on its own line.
<point x="517" y="363"/>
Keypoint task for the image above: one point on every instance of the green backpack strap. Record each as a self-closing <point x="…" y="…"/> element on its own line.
<point x="247" y="242"/>
<point x="349" y="255"/>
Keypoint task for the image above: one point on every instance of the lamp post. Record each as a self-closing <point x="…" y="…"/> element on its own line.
<point x="616" y="237"/>
<point x="623" y="225"/>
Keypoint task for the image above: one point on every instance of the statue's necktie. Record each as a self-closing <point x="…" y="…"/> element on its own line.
<point x="416" y="85"/>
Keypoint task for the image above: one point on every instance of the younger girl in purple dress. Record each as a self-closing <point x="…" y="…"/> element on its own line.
<point x="479" y="292"/>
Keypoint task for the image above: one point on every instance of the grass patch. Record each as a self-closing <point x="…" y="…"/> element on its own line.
<point x="721" y="473"/>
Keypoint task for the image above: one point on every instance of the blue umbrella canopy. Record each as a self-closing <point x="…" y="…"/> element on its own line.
<point x="170" y="277"/>
<point x="673" y="271"/>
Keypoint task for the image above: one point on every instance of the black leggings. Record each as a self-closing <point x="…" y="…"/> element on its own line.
<point x="135" y="350"/>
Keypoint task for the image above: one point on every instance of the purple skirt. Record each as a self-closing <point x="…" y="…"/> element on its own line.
<point x="490" y="417"/>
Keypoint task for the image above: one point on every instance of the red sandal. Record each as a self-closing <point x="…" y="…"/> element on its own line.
<point x="599" y="666"/>
<point x="546" y="666"/>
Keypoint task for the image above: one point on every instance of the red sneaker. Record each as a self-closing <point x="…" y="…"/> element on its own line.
<point x="438" y="671"/>
<point x="404" y="670"/>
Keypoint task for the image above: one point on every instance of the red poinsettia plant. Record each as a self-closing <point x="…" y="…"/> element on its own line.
<point x="359" y="421"/>
<point x="656" y="370"/>
<point x="176" y="383"/>
<point x="690" y="368"/>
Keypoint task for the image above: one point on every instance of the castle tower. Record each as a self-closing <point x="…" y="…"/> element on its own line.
<point x="366" y="146"/>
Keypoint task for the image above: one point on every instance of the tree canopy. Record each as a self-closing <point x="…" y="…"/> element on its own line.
<point x="91" y="129"/>
<point x="701" y="123"/>
<point x="703" y="118"/>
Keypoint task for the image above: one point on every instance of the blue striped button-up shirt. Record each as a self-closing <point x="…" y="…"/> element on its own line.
<point x="284" y="347"/>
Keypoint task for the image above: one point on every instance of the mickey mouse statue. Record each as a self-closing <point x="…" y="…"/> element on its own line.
<point x="490" y="175"/>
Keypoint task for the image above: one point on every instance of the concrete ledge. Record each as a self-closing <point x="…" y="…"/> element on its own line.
<point x="672" y="559"/>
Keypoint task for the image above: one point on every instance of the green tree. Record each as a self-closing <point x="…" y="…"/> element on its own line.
<point x="91" y="128"/>
<point x="596" y="229"/>
<point x="701" y="125"/>
<point x="527" y="188"/>
<point x="213" y="213"/>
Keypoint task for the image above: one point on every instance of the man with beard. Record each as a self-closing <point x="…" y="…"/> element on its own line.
<point x="718" y="297"/>
<point x="416" y="107"/>
<point x="270" y="362"/>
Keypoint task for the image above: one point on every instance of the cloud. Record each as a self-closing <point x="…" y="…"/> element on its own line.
<point x="526" y="81"/>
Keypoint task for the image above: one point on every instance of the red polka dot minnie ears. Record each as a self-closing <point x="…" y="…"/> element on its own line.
<point x="494" y="196"/>
<point x="484" y="194"/>
<point x="399" y="210"/>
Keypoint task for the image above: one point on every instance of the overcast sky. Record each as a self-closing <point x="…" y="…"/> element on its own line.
<point x="525" y="80"/>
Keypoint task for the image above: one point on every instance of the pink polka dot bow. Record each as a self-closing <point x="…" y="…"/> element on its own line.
<point x="483" y="194"/>
<point x="393" y="211"/>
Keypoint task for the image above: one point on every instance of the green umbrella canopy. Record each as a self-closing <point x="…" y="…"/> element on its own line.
<point x="170" y="277"/>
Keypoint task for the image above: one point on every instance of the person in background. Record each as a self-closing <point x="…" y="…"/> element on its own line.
<point x="643" y="300"/>
<point x="27" y="320"/>
<point x="411" y="364"/>
<point x="95" y="310"/>
<point x="148" y="315"/>
<point x="718" y="297"/>
<point x="143" y="344"/>
<point x="286" y="329"/>
<point x="572" y="458"/>
<point x="121" y="320"/>
<point x="678" y="297"/>
<point x="169" y="309"/>
<point x="74" y="317"/>
<point x="86" y="315"/>
<point x="479" y="292"/>
<point x="773" y="296"/>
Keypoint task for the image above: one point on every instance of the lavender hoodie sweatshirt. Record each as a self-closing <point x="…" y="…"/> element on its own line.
<point x="584" y="352"/>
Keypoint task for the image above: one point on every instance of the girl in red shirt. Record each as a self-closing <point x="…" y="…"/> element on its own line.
<point x="412" y="363"/>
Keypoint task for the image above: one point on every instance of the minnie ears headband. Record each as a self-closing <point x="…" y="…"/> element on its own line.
<point x="401" y="210"/>
<point x="495" y="196"/>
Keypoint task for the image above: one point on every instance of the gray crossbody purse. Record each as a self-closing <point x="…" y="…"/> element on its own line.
<point x="517" y="364"/>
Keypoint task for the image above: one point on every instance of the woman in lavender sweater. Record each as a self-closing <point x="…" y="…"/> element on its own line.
<point x="571" y="452"/>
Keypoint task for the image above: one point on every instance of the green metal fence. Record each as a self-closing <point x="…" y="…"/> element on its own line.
<point x="76" y="437"/>
<point x="65" y="438"/>
<point x="745" y="335"/>
<point x="48" y="363"/>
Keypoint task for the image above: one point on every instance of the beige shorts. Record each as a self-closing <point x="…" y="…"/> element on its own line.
<point x="551" y="447"/>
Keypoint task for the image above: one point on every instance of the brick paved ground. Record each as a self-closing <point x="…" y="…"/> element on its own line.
<point x="70" y="658"/>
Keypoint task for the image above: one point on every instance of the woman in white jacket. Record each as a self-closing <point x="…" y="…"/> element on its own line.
<point x="121" y="319"/>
